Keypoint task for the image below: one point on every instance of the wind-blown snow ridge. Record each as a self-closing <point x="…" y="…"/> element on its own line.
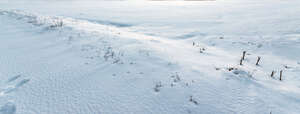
<point x="111" y="37"/>
<point x="76" y="29"/>
<point x="155" y="74"/>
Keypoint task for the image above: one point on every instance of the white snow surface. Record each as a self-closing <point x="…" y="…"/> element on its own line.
<point x="149" y="57"/>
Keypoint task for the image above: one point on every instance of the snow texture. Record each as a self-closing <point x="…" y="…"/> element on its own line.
<point x="149" y="57"/>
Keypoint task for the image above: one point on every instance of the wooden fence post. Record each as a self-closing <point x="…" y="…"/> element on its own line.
<point x="280" y="75"/>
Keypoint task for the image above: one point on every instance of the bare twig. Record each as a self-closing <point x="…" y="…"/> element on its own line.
<point x="258" y="59"/>
<point x="193" y="100"/>
<point x="272" y="74"/>
<point x="243" y="58"/>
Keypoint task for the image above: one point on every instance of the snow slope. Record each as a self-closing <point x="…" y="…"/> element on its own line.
<point x="138" y="57"/>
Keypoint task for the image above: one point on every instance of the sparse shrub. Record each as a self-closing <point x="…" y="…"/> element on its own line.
<point x="157" y="87"/>
<point x="56" y="24"/>
<point x="176" y="77"/>
<point x="117" y="60"/>
<point x="231" y="68"/>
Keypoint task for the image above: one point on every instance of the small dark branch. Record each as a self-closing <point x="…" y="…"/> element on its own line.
<point x="272" y="74"/>
<point x="258" y="59"/>
<point x="231" y="68"/>
<point x="243" y="58"/>
<point x="193" y="100"/>
<point x="287" y="67"/>
<point x="172" y="84"/>
<point x="280" y="75"/>
<point x="202" y="50"/>
<point x="244" y="53"/>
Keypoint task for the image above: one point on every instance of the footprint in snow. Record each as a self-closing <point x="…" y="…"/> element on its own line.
<point x="12" y="84"/>
<point x="21" y="83"/>
<point x="8" y="108"/>
<point x="13" y="78"/>
<point x="11" y="88"/>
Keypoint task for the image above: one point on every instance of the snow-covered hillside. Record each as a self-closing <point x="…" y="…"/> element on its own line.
<point x="112" y="57"/>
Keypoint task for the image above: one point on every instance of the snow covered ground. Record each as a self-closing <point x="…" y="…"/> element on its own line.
<point x="143" y="57"/>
